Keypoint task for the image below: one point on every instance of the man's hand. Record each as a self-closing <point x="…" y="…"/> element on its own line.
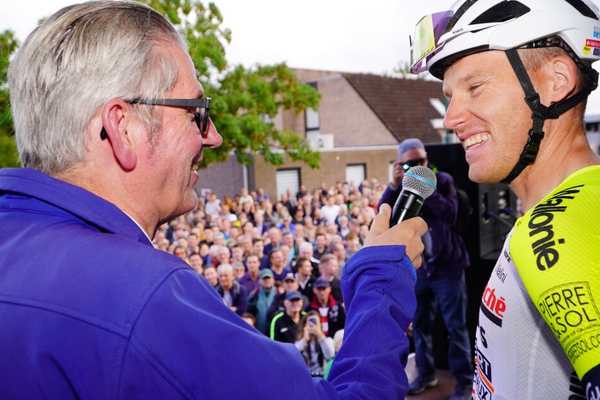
<point x="407" y="233"/>
<point x="397" y="174"/>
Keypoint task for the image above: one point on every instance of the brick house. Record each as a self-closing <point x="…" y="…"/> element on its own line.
<point x="360" y="121"/>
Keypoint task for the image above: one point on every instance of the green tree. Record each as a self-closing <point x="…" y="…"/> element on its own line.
<point x="8" y="148"/>
<point x="244" y="99"/>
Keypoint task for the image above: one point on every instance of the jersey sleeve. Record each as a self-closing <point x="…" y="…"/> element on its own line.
<point x="556" y="249"/>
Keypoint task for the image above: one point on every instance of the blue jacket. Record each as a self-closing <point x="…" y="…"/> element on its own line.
<point x="89" y="309"/>
<point x="445" y="251"/>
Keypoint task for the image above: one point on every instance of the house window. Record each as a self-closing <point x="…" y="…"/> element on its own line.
<point x="288" y="179"/>
<point x="356" y="173"/>
<point x="311" y="116"/>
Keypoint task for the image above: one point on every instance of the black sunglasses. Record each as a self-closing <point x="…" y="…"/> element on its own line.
<point x="201" y="114"/>
<point x="412" y="163"/>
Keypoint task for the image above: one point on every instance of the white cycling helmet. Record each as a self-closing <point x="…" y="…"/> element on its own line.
<point x="471" y="26"/>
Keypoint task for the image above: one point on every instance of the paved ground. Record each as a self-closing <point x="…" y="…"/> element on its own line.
<point x="442" y="391"/>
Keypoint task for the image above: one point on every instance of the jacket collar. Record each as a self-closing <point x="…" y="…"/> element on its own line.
<point x="70" y="199"/>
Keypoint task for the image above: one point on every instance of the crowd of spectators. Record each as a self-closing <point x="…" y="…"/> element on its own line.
<point x="277" y="262"/>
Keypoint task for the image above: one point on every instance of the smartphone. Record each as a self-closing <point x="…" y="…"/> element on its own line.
<point x="312" y="320"/>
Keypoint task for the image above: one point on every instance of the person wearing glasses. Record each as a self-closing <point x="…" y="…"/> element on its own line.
<point x="517" y="76"/>
<point x="111" y="124"/>
<point x="441" y="280"/>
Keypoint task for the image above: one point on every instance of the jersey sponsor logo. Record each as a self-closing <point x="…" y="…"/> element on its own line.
<point x="493" y="307"/>
<point x="500" y="272"/>
<point x="483" y="376"/>
<point x="571" y="313"/>
<point x="592" y="43"/>
<point x="592" y="392"/>
<point x="542" y="231"/>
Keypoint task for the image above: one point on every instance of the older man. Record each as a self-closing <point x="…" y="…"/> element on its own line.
<point x="234" y="295"/>
<point x="111" y="123"/>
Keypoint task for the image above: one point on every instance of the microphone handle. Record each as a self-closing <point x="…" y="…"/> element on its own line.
<point x="407" y="206"/>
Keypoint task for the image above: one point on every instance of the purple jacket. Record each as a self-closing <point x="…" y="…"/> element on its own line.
<point x="445" y="251"/>
<point x="90" y="310"/>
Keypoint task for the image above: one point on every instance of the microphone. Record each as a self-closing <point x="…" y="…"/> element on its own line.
<point x="418" y="184"/>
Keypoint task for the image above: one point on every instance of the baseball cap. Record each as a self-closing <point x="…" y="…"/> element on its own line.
<point x="293" y="295"/>
<point x="265" y="272"/>
<point x="321" y="283"/>
<point x="290" y="277"/>
<point x="408" y="144"/>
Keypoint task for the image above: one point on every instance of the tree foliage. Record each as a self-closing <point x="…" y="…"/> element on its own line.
<point x="8" y="148"/>
<point x="244" y="99"/>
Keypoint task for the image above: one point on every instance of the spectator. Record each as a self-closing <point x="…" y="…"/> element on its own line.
<point x="305" y="277"/>
<point x="352" y="244"/>
<point x="329" y="267"/>
<point x="288" y="240"/>
<point x="205" y="253"/>
<point x="250" y="319"/>
<point x="261" y="196"/>
<point x="285" y="250"/>
<point x="306" y="250"/>
<point x="179" y="251"/>
<point x="213" y="205"/>
<point x="278" y="265"/>
<point x="259" y="223"/>
<point x="196" y="262"/>
<point x="343" y="225"/>
<point x="250" y="280"/>
<point x="238" y="270"/>
<point x="210" y="273"/>
<point x="245" y="197"/>
<point x="442" y="281"/>
<point x="234" y="295"/>
<point x="284" y="327"/>
<point x="275" y="238"/>
<point x="333" y="316"/>
<point x="320" y="245"/>
<point x="260" y="300"/>
<point x="338" y="250"/>
<point x="287" y="225"/>
<point x="237" y="254"/>
<point x="330" y="211"/>
<point x="285" y="201"/>
<point x="316" y="348"/>
<point x="289" y="284"/>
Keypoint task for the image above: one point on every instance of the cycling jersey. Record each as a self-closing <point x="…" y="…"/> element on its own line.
<point x="539" y="323"/>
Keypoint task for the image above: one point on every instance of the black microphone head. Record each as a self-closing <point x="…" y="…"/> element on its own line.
<point x="420" y="180"/>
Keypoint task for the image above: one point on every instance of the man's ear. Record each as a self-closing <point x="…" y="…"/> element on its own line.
<point x="563" y="78"/>
<point x="115" y="119"/>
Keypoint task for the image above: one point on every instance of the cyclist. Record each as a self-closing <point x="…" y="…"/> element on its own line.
<point x="517" y="75"/>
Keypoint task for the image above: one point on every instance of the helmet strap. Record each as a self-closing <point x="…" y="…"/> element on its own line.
<point x="539" y="112"/>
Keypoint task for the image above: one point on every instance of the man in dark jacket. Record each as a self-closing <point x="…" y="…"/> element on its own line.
<point x="285" y="325"/>
<point x="234" y="295"/>
<point x="442" y="278"/>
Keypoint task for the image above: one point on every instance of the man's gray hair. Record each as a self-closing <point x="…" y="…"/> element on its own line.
<point x="74" y="63"/>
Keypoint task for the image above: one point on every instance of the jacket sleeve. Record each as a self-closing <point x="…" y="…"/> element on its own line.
<point x="378" y="285"/>
<point x="443" y="203"/>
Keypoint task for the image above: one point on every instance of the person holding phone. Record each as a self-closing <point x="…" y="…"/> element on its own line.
<point x="314" y="345"/>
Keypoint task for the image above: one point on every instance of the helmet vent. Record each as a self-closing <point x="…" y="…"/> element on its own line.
<point x="582" y="8"/>
<point x="501" y="12"/>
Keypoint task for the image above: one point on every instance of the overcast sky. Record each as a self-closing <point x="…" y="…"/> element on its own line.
<point x="337" y="35"/>
<point x="340" y="35"/>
